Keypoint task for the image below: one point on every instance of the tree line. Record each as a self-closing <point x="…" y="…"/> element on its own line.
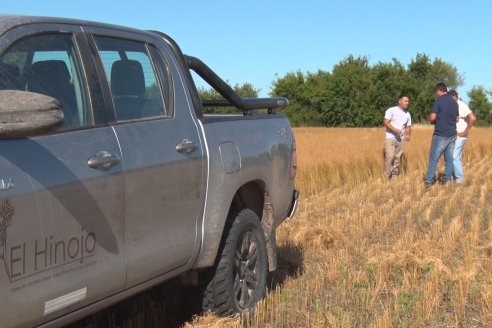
<point x="356" y="94"/>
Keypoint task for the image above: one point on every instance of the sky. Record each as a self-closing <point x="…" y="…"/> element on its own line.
<point x="258" y="41"/>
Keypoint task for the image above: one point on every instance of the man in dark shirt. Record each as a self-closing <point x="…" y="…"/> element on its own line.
<point x="444" y="116"/>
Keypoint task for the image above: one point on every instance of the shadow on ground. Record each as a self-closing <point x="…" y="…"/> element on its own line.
<point x="289" y="264"/>
<point x="173" y="304"/>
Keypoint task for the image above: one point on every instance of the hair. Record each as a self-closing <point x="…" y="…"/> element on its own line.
<point x="441" y="86"/>
<point x="403" y="95"/>
<point x="453" y="93"/>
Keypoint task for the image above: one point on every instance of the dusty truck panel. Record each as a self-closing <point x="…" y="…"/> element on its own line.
<point x="268" y="153"/>
<point x="116" y="181"/>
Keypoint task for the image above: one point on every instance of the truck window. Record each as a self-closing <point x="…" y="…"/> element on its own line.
<point x="165" y="77"/>
<point x="135" y="86"/>
<point x="48" y="64"/>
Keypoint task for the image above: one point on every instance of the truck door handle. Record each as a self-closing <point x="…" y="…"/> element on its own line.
<point x="185" y="146"/>
<point x="103" y="160"/>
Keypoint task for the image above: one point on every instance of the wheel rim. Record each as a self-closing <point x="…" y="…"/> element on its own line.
<point x="246" y="269"/>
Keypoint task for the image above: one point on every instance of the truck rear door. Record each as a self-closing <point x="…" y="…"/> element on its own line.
<point x="163" y="156"/>
<point x="61" y="204"/>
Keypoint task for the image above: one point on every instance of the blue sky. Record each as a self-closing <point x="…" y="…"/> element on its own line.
<point x="257" y="41"/>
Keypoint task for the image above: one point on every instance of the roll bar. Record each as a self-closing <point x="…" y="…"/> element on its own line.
<point x="231" y="96"/>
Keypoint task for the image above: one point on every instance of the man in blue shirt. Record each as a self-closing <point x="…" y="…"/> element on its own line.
<point x="444" y="116"/>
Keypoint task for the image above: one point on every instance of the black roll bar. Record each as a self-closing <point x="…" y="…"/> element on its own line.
<point x="231" y="96"/>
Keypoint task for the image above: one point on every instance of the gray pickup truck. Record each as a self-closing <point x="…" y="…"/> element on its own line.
<point x="112" y="180"/>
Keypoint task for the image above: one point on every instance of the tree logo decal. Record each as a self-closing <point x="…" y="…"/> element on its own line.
<point x="7" y="211"/>
<point x="25" y="258"/>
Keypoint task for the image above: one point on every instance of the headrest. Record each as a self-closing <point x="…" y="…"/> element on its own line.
<point x="51" y="69"/>
<point x="127" y="78"/>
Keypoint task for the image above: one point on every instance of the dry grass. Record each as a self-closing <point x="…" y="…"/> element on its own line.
<point x="366" y="252"/>
<point x="339" y="157"/>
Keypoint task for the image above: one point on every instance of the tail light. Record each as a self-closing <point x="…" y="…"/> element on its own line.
<point x="293" y="159"/>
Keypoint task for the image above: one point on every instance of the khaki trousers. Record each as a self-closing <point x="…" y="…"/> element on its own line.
<point x="393" y="151"/>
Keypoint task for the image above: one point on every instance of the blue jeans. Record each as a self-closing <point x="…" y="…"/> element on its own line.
<point x="440" y="145"/>
<point x="458" y="151"/>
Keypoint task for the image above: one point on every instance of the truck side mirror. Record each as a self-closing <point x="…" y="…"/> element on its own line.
<point x="26" y="114"/>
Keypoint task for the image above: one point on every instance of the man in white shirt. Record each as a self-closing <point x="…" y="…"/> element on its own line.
<point x="463" y="126"/>
<point x="398" y="122"/>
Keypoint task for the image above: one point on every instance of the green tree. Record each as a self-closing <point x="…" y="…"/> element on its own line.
<point x="246" y="90"/>
<point x="480" y="104"/>
<point x="447" y="73"/>
<point x="357" y="94"/>
<point x="390" y="80"/>
<point x="420" y="87"/>
<point x="291" y="87"/>
<point x="349" y="94"/>
<point x="314" y="95"/>
<point x="306" y="94"/>
<point x="422" y="78"/>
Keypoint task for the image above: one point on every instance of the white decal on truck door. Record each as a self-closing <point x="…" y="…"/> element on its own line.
<point x="65" y="300"/>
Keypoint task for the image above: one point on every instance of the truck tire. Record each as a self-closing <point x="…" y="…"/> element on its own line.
<point x="238" y="280"/>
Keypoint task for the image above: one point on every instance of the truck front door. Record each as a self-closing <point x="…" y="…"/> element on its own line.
<point x="61" y="204"/>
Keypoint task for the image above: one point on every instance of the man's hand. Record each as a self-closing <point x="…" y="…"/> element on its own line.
<point x="390" y="127"/>
<point x="432" y="118"/>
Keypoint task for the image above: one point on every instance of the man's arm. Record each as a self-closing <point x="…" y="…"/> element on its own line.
<point x="387" y="124"/>
<point x="408" y="131"/>
<point x="470" y="119"/>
